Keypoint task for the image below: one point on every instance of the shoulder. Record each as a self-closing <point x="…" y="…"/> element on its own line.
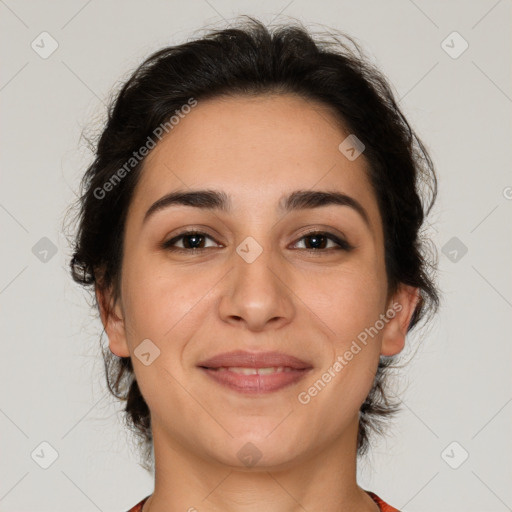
<point x="384" y="507"/>
<point x="138" y="507"/>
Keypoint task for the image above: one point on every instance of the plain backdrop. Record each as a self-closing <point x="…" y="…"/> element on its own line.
<point x="449" y="450"/>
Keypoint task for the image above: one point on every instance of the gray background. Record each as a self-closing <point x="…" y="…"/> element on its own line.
<point x="456" y="388"/>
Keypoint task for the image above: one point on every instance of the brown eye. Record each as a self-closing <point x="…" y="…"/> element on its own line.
<point x="316" y="241"/>
<point x="190" y="241"/>
<point x="319" y="240"/>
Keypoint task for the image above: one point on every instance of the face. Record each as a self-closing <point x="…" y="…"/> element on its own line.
<point x="262" y="273"/>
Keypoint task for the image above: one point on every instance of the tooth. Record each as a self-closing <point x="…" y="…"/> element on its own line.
<point x="255" y="371"/>
<point x="243" y="371"/>
<point x="267" y="371"/>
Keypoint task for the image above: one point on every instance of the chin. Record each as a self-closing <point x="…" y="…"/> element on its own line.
<point x="253" y="451"/>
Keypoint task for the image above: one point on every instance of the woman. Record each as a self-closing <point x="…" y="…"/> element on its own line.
<point x="250" y="225"/>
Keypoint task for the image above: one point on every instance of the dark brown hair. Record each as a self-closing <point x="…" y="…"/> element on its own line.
<point x="251" y="59"/>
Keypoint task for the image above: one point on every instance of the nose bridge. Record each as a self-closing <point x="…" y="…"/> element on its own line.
<point x="256" y="291"/>
<point x="253" y="266"/>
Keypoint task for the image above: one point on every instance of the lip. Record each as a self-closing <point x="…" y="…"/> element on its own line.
<point x="246" y="359"/>
<point x="296" y="369"/>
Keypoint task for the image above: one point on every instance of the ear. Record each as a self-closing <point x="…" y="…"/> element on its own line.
<point x="402" y="304"/>
<point x="112" y="318"/>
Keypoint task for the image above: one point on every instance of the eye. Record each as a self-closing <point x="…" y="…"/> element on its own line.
<point x="318" y="241"/>
<point x="190" y="241"/>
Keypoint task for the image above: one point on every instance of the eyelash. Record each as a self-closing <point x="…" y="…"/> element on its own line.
<point x="342" y="244"/>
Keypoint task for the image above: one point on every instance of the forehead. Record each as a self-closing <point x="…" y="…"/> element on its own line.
<point x="256" y="149"/>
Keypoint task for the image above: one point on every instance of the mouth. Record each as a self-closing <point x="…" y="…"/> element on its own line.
<point x="255" y="373"/>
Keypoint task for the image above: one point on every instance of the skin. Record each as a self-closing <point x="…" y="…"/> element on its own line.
<point x="308" y="305"/>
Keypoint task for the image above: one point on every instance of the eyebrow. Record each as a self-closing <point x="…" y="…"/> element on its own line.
<point x="218" y="200"/>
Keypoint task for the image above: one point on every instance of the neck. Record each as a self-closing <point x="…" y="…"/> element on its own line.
<point x="323" y="481"/>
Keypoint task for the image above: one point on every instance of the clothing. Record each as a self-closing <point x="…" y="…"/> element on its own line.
<point x="384" y="507"/>
<point x="138" y="507"/>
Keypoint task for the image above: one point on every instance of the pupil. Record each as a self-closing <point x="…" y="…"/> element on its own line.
<point x="195" y="239"/>
<point x="315" y="239"/>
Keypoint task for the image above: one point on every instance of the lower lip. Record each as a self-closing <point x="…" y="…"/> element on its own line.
<point x="256" y="384"/>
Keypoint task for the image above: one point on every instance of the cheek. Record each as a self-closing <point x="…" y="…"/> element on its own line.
<point x="347" y="304"/>
<point x="346" y="301"/>
<point x="333" y="396"/>
<point x="164" y="307"/>
<point x="154" y="298"/>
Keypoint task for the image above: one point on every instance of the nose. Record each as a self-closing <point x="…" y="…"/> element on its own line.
<point x="258" y="294"/>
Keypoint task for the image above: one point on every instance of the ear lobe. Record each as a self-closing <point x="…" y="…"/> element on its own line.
<point x="403" y="303"/>
<point x="113" y="322"/>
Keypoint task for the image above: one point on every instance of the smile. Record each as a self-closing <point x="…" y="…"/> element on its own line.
<point x="255" y="380"/>
<point x="254" y="371"/>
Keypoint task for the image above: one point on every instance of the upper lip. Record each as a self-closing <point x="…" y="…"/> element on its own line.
<point x="243" y="359"/>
